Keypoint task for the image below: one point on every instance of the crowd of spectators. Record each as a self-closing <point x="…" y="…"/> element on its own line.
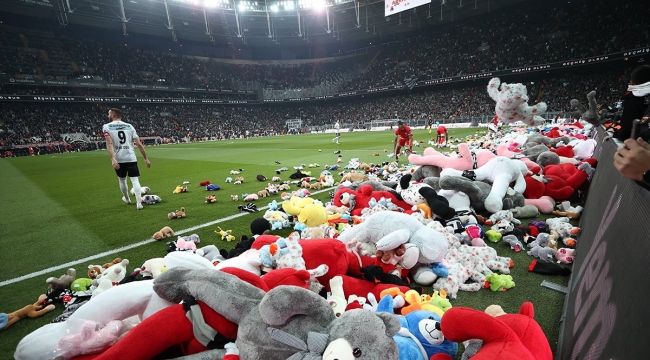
<point x="534" y="34"/>
<point x="24" y="123"/>
<point x="13" y="89"/>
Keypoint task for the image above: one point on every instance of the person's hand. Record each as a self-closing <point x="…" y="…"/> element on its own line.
<point x="146" y="161"/>
<point x="633" y="158"/>
<point x="115" y="164"/>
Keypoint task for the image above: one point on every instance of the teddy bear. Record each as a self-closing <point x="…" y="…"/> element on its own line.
<point x="210" y="199"/>
<point x="512" y="103"/>
<point x="178" y="214"/>
<point x="500" y="171"/>
<point x="339" y="259"/>
<point x="62" y="282"/>
<point x="424" y="244"/>
<point x="94" y="271"/>
<point x="110" y="277"/>
<point x="478" y="191"/>
<point x="507" y="336"/>
<point x="276" y="324"/>
<point x="589" y="114"/>
<point x="564" y="229"/>
<point x="163" y="233"/>
<point x="420" y="336"/>
<point x="251" y="197"/>
<point x="272" y="189"/>
<point x="354" y="177"/>
<point x="238" y="180"/>
<point x="358" y="200"/>
<point x="37" y="309"/>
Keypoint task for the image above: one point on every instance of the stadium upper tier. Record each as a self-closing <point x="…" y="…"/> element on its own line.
<point x="538" y="33"/>
<point x="22" y="122"/>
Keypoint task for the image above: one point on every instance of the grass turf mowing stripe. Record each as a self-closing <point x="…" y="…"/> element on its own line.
<point x="127" y="247"/>
<point x="34" y="212"/>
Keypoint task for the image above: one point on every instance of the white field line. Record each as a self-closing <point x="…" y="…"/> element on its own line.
<point x="128" y="247"/>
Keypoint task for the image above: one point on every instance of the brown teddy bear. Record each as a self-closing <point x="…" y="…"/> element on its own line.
<point x="354" y="177"/>
<point x="176" y="214"/>
<point x="94" y="271"/>
<point x="34" y="310"/>
<point x="263" y="193"/>
<point x="165" y="232"/>
<point x="64" y="281"/>
<point x="115" y="261"/>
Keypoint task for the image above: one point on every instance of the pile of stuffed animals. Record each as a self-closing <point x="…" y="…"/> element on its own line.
<point x="348" y="282"/>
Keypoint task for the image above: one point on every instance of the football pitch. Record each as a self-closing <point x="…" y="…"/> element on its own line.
<point x="67" y="212"/>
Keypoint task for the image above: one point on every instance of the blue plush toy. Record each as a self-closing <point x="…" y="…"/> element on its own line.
<point x="273" y="205"/>
<point x="420" y="336"/>
<point x="212" y="187"/>
<point x="268" y="253"/>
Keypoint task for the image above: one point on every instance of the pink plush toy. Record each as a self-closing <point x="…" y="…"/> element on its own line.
<point x="504" y="150"/>
<point x="565" y="255"/>
<point x="184" y="244"/>
<point x="90" y="340"/>
<point x="251" y="197"/>
<point x="463" y="161"/>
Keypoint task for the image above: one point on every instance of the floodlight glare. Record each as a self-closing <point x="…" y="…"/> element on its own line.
<point x="242" y="6"/>
<point x="289" y="5"/>
<point x="211" y="3"/>
<point x="274" y="8"/>
<point x="318" y="4"/>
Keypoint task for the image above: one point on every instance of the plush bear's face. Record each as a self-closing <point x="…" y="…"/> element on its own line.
<point x="362" y="334"/>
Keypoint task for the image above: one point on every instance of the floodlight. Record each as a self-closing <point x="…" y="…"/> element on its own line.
<point x="211" y="3"/>
<point x="318" y="4"/>
<point x="242" y="6"/>
<point x="289" y="5"/>
<point x="274" y="8"/>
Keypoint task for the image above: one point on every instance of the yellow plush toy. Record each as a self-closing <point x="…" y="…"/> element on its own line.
<point x="295" y="204"/>
<point x="180" y="189"/>
<point x="225" y="234"/>
<point x="313" y="214"/>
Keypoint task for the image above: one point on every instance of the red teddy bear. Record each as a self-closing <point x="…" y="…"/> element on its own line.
<point x="362" y="199"/>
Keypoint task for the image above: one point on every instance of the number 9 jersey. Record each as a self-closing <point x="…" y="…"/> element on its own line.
<point x="122" y="135"/>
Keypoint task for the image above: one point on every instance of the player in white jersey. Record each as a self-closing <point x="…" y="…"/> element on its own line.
<point x="120" y="137"/>
<point x="337" y="127"/>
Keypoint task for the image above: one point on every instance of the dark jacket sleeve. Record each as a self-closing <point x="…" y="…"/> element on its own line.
<point x="633" y="108"/>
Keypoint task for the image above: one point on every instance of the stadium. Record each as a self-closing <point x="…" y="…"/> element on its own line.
<point x="234" y="99"/>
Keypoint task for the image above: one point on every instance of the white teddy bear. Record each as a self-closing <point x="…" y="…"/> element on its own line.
<point x="512" y="103"/>
<point x="110" y="276"/>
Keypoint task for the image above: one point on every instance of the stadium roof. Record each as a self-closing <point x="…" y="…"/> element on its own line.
<point x="254" y="23"/>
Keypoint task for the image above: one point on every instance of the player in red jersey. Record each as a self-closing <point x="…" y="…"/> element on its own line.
<point x="403" y="137"/>
<point x="442" y="135"/>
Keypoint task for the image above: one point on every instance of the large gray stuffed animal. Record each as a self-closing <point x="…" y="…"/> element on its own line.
<point x="287" y="322"/>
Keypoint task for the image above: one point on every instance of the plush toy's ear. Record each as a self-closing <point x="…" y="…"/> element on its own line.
<point x="404" y="181"/>
<point x="391" y="322"/>
<point x="527" y="309"/>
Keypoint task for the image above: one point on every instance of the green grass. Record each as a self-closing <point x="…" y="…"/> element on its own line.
<point x="66" y="207"/>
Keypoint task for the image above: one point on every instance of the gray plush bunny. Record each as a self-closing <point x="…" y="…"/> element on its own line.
<point x="288" y="322"/>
